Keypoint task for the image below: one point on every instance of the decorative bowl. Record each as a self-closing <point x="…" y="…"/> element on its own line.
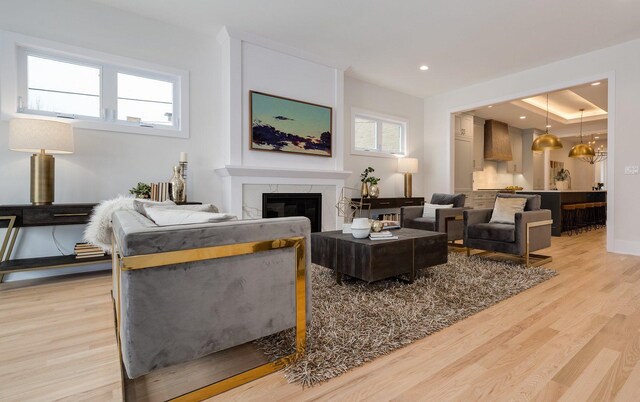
<point x="360" y="233"/>
<point x="377" y="226"/>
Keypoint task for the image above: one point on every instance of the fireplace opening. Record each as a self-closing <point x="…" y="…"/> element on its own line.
<point x="278" y="205"/>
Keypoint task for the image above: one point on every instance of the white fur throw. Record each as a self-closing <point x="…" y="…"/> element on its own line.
<point x="99" y="230"/>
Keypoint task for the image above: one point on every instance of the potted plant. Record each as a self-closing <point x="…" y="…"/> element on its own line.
<point x="374" y="191"/>
<point x="366" y="190"/>
<point x="562" y="179"/>
<point x="141" y="190"/>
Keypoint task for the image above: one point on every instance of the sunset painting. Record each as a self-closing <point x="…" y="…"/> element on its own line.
<point x="287" y="125"/>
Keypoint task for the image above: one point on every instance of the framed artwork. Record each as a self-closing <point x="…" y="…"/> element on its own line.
<point x="288" y="125"/>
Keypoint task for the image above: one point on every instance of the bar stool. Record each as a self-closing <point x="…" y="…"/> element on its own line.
<point x="590" y="212"/>
<point x="581" y="217"/>
<point x="601" y="214"/>
<point x="568" y="218"/>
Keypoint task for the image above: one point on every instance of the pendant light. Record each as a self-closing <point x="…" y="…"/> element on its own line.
<point x="582" y="149"/>
<point x="546" y="140"/>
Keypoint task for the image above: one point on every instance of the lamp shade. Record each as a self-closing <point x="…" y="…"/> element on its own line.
<point x="31" y="135"/>
<point x="545" y="141"/>
<point x="408" y="165"/>
<point x="580" y="150"/>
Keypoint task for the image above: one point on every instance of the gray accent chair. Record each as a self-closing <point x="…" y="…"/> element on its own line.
<point x="177" y="313"/>
<point x="531" y="231"/>
<point x="448" y="220"/>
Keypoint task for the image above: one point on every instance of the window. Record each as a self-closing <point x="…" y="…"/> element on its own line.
<point x="96" y="90"/>
<point x="378" y="135"/>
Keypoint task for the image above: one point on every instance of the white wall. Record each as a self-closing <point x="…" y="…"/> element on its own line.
<point x="107" y="163"/>
<point x="362" y="95"/>
<point x="620" y="64"/>
<point x="277" y="73"/>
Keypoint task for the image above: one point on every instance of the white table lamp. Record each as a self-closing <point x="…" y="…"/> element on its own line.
<point x="42" y="138"/>
<point x="408" y="166"/>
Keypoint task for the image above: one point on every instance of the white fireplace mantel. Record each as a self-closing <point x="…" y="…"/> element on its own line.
<point x="255" y="171"/>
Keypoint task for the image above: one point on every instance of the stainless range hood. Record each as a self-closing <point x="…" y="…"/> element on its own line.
<point x="497" y="144"/>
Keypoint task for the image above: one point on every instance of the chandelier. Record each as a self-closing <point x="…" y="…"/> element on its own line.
<point x="600" y="153"/>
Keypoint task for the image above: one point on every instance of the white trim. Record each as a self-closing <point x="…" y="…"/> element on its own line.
<point x="626" y="247"/>
<point x="612" y="244"/>
<point x="10" y="43"/>
<point x="379" y="117"/>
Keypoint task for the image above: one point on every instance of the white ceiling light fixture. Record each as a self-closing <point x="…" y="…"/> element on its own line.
<point x="490" y="106"/>
<point x="424" y="67"/>
<point x="523" y="117"/>
<point x="595" y="83"/>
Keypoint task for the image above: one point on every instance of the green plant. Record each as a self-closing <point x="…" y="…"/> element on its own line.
<point x="562" y="175"/>
<point x="364" y="176"/>
<point x="141" y="190"/>
<point x="373" y="180"/>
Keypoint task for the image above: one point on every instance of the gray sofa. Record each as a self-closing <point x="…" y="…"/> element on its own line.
<point x="445" y="220"/>
<point x="176" y="313"/>
<point x="531" y="231"/>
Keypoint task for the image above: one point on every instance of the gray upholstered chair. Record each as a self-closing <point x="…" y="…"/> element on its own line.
<point x="185" y="291"/>
<point x="531" y="231"/>
<point x="447" y="220"/>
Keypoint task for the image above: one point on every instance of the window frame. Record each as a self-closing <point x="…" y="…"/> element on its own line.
<point x="13" y="85"/>
<point x="379" y="118"/>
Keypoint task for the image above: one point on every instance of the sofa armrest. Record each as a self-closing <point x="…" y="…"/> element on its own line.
<point x="443" y="213"/>
<point x="408" y="214"/>
<point x="540" y="235"/>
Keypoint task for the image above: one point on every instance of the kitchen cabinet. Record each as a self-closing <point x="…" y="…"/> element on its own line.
<point x="464" y="127"/>
<point x="515" y="164"/>
<point x="478" y="144"/>
<point x="463" y="152"/>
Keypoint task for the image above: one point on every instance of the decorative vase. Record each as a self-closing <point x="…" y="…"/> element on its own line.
<point x="177" y="186"/>
<point x="562" y="185"/>
<point x="360" y="228"/>
<point x="364" y="190"/>
<point x="374" y="191"/>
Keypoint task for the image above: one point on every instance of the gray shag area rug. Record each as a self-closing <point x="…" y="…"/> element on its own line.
<point x="357" y="322"/>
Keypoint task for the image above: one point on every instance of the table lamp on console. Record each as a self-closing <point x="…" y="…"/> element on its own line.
<point x="42" y="138"/>
<point x="408" y="166"/>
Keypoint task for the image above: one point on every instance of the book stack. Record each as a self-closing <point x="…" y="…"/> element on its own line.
<point x="160" y="191"/>
<point x="384" y="235"/>
<point x="87" y="250"/>
<point x="389" y="224"/>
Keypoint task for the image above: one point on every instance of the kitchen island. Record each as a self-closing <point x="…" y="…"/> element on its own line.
<point x="554" y="199"/>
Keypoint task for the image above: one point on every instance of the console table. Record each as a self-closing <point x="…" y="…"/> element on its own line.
<point x="14" y="217"/>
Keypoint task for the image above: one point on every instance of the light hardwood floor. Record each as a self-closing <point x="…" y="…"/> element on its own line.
<point x="575" y="337"/>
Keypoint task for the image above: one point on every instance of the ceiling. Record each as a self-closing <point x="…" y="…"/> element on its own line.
<point x="564" y="113"/>
<point x="462" y="41"/>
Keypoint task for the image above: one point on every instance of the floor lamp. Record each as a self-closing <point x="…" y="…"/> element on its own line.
<point x="42" y="138"/>
<point x="408" y="166"/>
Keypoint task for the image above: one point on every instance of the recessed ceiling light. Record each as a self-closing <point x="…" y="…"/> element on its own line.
<point x="548" y="125"/>
<point x="523" y="117"/>
<point x="424" y="68"/>
<point x="490" y="106"/>
<point x="596" y="83"/>
<point x="596" y="137"/>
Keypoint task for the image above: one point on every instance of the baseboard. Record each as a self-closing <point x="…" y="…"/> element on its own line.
<point x="626" y="247"/>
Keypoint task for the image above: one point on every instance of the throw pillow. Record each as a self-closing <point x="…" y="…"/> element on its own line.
<point x="429" y="210"/>
<point x="168" y="217"/>
<point x="505" y="209"/>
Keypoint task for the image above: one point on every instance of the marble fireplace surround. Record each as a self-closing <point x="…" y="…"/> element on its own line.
<point x="244" y="186"/>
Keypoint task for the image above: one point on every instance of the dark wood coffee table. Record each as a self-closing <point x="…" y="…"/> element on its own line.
<point x="371" y="260"/>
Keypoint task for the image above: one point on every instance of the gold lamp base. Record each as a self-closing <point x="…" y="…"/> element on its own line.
<point x="407" y="185"/>
<point x="42" y="179"/>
